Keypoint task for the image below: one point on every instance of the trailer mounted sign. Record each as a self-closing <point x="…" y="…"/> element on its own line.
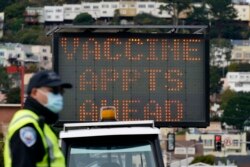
<point x="161" y="77"/>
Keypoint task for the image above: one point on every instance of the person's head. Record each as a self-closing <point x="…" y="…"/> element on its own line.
<point x="47" y="88"/>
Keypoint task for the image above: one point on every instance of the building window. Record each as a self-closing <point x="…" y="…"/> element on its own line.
<point x="104" y="12"/>
<point x="132" y="5"/>
<point x="141" y="6"/>
<point x="86" y="7"/>
<point x="151" y="6"/>
<point x="105" y="6"/>
<point x="208" y="142"/>
<point x="238" y="55"/>
<point x="95" y="7"/>
<point x="68" y="9"/>
<point x="114" y="6"/>
<point x="58" y="10"/>
<point x="77" y="8"/>
<point x="48" y="11"/>
<point x="238" y="84"/>
<point x="44" y="50"/>
<point x="235" y="142"/>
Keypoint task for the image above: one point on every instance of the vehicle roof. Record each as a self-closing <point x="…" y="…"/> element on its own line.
<point x="109" y="132"/>
<point x="93" y="129"/>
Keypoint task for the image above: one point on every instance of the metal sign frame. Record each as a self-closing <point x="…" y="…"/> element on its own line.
<point x="72" y="31"/>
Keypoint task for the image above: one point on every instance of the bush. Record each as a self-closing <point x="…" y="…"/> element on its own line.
<point x="83" y="19"/>
<point x="208" y="159"/>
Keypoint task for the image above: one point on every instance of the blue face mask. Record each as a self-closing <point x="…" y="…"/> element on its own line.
<point x="55" y="102"/>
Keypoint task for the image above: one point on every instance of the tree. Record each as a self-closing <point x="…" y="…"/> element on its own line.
<point x="215" y="76"/>
<point x="83" y="19"/>
<point x="226" y="96"/>
<point x="242" y="67"/>
<point x="116" y="18"/>
<point x="4" y="80"/>
<point x="13" y="96"/>
<point x="3" y="4"/>
<point x="222" y="13"/>
<point x="175" y="7"/>
<point x="148" y="19"/>
<point x="198" y="15"/>
<point x="237" y="110"/>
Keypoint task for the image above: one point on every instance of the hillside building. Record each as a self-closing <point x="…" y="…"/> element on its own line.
<point x="237" y="81"/>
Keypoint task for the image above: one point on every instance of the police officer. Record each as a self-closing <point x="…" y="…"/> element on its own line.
<point x="30" y="141"/>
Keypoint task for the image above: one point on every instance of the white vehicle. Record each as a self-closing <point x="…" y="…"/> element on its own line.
<point x="112" y="144"/>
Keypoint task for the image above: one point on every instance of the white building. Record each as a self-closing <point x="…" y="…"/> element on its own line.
<point x="44" y="55"/>
<point x="1" y="24"/>
<point x="71" y="11"/>
<point x="237" y="81"/>
<point x="34" y="15"/>
<point x="53" y="14"/>
<point x="240" y="54"/>
<point x="107" y="9"/>
<point x="103" y="9"/>
<point x="232" y="144"/>
<point x="10" y="51"/>
<point x="243" y="11"/>
<point x="240" y="51"/>
<point x="25" y="54"/>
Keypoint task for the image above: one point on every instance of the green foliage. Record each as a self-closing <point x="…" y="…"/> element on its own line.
<point x="237" y="110"/>
<point x="242" y="67"/>
<point x="222" y="10"/>
<point x="13" y="96"/>
<point x="32" y="35"/>
<point x="198" y="15"/>
<point x="215" y="76"/>
<point x="148" y="19"/>
<point x="222" y="16"/>
<point x="3" y="4"/>
<point x="208" y="159"/>
<point x="215" y="118"/>
<point x="4" y="80"/>
<point x="15" y="24"/>
<point x="221" y="42"/>
<point x="226" y="96"/>
<point x="15" y="10"/>
<point x="32" y="68"/>
<point x="83" y="19"/>
<point x="175" y="7"/>
<point x="116" y="18"/>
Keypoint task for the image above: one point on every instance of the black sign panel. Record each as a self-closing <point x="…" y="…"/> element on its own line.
<point x="159" y="77"/>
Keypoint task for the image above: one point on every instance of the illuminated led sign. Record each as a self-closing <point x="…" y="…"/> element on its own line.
<point x="161" y="77"/>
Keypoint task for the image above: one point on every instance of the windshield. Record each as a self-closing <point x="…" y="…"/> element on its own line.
<point x="118" y="155"/>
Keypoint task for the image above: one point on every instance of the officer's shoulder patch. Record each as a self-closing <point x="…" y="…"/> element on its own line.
<point x="28" y="135"/>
